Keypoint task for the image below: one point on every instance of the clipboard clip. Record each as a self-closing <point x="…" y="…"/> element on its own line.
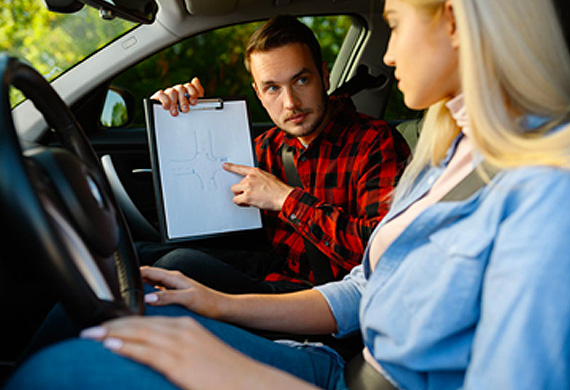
<point x="208" y="104"/>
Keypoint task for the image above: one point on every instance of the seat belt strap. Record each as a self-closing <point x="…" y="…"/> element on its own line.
<point x="359" y="374"/>
<point x="471" y="183"/>
<point x="291" y="173"/>
<point x="318" y="261"/>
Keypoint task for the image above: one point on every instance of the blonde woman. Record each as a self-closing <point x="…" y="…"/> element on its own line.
<point x="466" y="291"/>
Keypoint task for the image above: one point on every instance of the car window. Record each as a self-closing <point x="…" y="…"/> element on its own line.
<point x="216" y="57"/>
<point x="396" y="110"/>
<point x="51" y="42"/>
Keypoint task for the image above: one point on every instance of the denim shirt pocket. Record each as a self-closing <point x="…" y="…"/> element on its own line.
<point x="447" y="291"/>
<point x="463" y="240"/>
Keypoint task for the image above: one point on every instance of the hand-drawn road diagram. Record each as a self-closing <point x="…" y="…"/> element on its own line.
<point x="194" y="189"/>
<point x="202" y="163"/>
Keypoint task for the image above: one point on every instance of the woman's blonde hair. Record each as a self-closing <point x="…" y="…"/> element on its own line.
<point x="514" y="64"/>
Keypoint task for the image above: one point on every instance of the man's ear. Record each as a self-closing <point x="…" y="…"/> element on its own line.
<point x="326" y="76"/>
<point x="258" y="94"/>
<point x="254" y="86"/>
<point x="452" y="26"/>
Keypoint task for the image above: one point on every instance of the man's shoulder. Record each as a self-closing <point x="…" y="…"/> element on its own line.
<point x="357" y="124"/>
<point x="270" y="139"/>
<point x="370" y="134"/>
<point x="364" y="128"/>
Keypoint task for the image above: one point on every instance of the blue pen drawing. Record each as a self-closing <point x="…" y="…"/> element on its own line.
<point x="195" y="190"/>
<point x="202" y="164"/>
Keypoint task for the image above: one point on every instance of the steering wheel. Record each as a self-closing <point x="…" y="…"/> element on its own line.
<point x="59" y="206"/>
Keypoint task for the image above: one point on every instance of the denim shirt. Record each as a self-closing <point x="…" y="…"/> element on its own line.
<point x="473" y="294"/>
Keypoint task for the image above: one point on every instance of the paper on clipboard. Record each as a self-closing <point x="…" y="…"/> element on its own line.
<point x="187" y="153"/>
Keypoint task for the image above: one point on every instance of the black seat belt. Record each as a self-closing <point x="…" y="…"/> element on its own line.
<point x="318" y="261"/>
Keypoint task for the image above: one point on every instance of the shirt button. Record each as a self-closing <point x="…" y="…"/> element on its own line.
<point x="293" y="217"/>
<point x="303" y="158"/>
<point x="326" y="243"/>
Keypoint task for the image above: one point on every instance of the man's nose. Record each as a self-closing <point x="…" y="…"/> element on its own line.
<point x="290" y="99"/>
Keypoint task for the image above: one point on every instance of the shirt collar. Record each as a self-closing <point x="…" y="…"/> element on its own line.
<point x="458" y="111"/>
<point x="452" y="149"/>
<point x="456" y="107"/>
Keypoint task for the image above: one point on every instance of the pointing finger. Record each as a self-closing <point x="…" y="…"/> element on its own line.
<point x="242" y="170"/>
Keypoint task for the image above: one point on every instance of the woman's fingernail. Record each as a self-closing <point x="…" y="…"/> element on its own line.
<point x="113" y="344"/>
<point x="96" y="332"/>
<point x="151" y="298"/>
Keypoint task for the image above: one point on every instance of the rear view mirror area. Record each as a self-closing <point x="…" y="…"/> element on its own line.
<point x="138" y="11"/>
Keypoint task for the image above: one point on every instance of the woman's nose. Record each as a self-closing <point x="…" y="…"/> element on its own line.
<point x="389" y="55"/>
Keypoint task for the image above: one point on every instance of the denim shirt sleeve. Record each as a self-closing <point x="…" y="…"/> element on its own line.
<point x="522" y="338"/>
<point x="343" y="298"/>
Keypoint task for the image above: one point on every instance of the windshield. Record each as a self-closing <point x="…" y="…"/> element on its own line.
<point x="52" y="42"/>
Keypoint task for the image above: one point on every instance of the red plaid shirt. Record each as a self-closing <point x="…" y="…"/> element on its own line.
<point x="348" y="174"/>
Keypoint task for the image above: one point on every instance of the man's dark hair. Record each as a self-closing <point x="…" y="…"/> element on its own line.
<point x="280" y="31"/>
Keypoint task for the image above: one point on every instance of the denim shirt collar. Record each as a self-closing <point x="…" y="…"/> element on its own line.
<point x="451" y="151"/>
<point x="430" y="173"/>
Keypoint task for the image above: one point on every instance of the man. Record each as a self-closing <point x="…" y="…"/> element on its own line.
<point x="347" y="165"/>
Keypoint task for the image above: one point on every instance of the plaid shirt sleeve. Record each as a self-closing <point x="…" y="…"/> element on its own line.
<point x="348" y="175"/>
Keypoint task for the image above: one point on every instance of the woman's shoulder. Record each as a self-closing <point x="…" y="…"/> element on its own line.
<point x="533" y="185"/>
<point x="536" y="176"/>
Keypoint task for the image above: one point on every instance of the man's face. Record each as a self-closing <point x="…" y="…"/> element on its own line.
<point x="291" y="89"/>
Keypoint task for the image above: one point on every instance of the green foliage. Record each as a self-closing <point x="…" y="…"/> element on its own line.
<point x="396" y="108"/>
<point x="330" y="32"/>
<point x="119" y="115"/>
<point x="216" y="57"/>
<point x="52" y="42"/>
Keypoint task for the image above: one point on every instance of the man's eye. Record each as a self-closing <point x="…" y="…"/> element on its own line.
<point x="271" y="88"/>
<point x="303" y="80"/>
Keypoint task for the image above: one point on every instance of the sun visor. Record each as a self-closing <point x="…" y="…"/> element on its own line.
<point x="209" y="7"/>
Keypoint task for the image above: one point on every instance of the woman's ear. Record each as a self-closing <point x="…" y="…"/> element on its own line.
<point x="452" y="27"/>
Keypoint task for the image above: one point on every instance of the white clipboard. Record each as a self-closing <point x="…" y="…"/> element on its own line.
<point x="187" y="152"/>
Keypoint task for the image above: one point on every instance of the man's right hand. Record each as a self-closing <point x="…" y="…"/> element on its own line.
<point x="183" y="95"/>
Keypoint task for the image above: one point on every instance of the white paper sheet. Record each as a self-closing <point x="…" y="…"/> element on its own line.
<point x="194" y="188"/>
